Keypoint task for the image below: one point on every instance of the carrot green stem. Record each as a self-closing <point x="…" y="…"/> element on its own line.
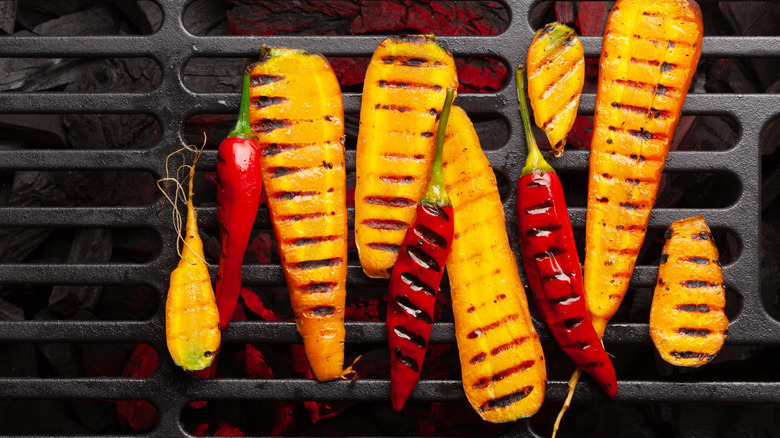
<point x="242" y="129"/>
<point x="535" y="162"/>
<point x="435" y="193"/>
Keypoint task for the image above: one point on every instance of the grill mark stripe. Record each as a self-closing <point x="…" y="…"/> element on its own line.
<point x="318" y="288"/>
<point x="508" y="346"/>
<point x="542" y="231"/>
<point x="385" y="224"/>
<point x="409" y="85"/>
<point x="509" y="399"/>
<point x="559" y="113"/>
<point x="406" y="360"/>
<point x="416" y="284"/>
<point x="389" y="201"/>
<point x="503" y="374"/>
<point x="699" y="333"/>
<point x="402" y="156"/>
<point x="691" y="355"/>
<point x="260" y="80"/>
<point x="478" y="358"/>
<point x="267" y="101"/>
<point x="694" y="284"/>
<point x="566" y="299"/>
<point x="303" y="241"/>
<point x="323" y="310"/>
<point x="265" y="126"/>
<point x="698" y="308"/>
<point x="399" y="108"/>
<point x="430" y="236"/>
<point x="299" y="217"/>
<point x="316" y="264"/>
<point x="413" y="309"/>
<point x="422" y="259"/>
<point x="411" y="336"/>
<point x="652" y="113"/>
<point x="388" y="247"/>
<point x="699" y="260"/>
<point x="278" y="172"/>
<point x="395" y="179"/>
<point x="571" y="69"/>
<point x="551" y="252"/>
<point x="411" y="61"/>
<point x="272" y="149"/>
<point x="289" y="196"/>
<point x="480" y="331"/>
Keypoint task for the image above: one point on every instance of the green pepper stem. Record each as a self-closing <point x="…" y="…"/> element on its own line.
<point x="242" y="129"/>
<point x="535" y="162"/>
<point x="435" y="192"/>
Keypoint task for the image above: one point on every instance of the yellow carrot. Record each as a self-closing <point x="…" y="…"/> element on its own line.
<point x="501" y="357"/>
<point x="649" y="55"/>
<point x="687" y="318"/>
<point x="297" y="114"/>
<point x="403" y="93"/>
<point x="191" y="316"/>
<point x="556" y="74"/>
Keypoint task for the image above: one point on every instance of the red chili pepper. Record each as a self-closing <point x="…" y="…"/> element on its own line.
<point x="240" y="186"/>
<point x="550" y="259"/>
<point x="416" y="276"/>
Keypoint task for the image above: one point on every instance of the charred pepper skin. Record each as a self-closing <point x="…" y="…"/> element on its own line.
<point x="240" y="187"/>
<point x="551" y="263"/>
<point x="416" y="276"/>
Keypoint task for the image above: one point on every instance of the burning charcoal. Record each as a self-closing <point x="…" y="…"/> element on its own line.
<point x="144" y="15"/>
<point x="9" y="312"/>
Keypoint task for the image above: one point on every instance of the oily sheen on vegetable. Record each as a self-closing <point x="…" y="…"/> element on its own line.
<point x="403" y="94"/>
<point x="239" y="190"/>
<point x="556" y="74"/>
<point x="648" y="59"/>
<point x="191" y="316"/>
<point x="550" y="259"/>
<point x="416" y="276"/>
<point x="687" y="318"/>
<point x="298" y="117"/>
<point x="501" y="358"/>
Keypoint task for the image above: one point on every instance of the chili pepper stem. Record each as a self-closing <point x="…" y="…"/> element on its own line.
<point x="572" y="384"/>
<point x="435" y="193"/>
<point x="242" y="128"/>
<point x="535" y="162"/>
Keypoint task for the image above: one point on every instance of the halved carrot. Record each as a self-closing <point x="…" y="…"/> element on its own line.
<point x="556" y="74"/>
<point x="502" y="361"/>
<point x="298" y="117"/>
<point x="649" y="55"/>
<point x="687" y="318"/>
<point x="403" y="93"/>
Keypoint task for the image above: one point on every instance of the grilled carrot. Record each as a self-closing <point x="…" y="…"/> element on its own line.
<point x="297" y="114"/>
<point x="649" y="55"/>
<point x="403" y="93"/>
<point x="191" y="316"/>
<point x="501" y="358"/>
<point x="687" y="321"/>
<point x="556" y="74"/>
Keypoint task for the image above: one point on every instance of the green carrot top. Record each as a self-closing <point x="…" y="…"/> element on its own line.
<point x="435" y="193"/>
<point x="242" y="128"/>
<point x="535" y="163"/>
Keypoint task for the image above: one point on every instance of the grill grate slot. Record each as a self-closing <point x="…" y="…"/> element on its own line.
<point x="172" y="104"/>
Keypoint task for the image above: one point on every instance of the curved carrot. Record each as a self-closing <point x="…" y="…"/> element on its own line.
<point x="191" y="316"/>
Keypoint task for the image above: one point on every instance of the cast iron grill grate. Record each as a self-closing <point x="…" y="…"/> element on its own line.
<point x="172" y="103"/>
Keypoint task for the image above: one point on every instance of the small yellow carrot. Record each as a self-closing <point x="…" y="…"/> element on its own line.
<point x="687" y="319"/>
<point x="191" y="316"/>
<point x="556" y="74"/>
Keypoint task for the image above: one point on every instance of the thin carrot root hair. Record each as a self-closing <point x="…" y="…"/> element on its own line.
<point x="176" y="217"/>
<point x="575" y="377"/>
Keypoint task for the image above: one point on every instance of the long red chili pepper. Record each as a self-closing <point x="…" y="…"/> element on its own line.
<point x="240" y="187"/>
<point x="416" y="276"/>
<point x="550" y="259"/>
